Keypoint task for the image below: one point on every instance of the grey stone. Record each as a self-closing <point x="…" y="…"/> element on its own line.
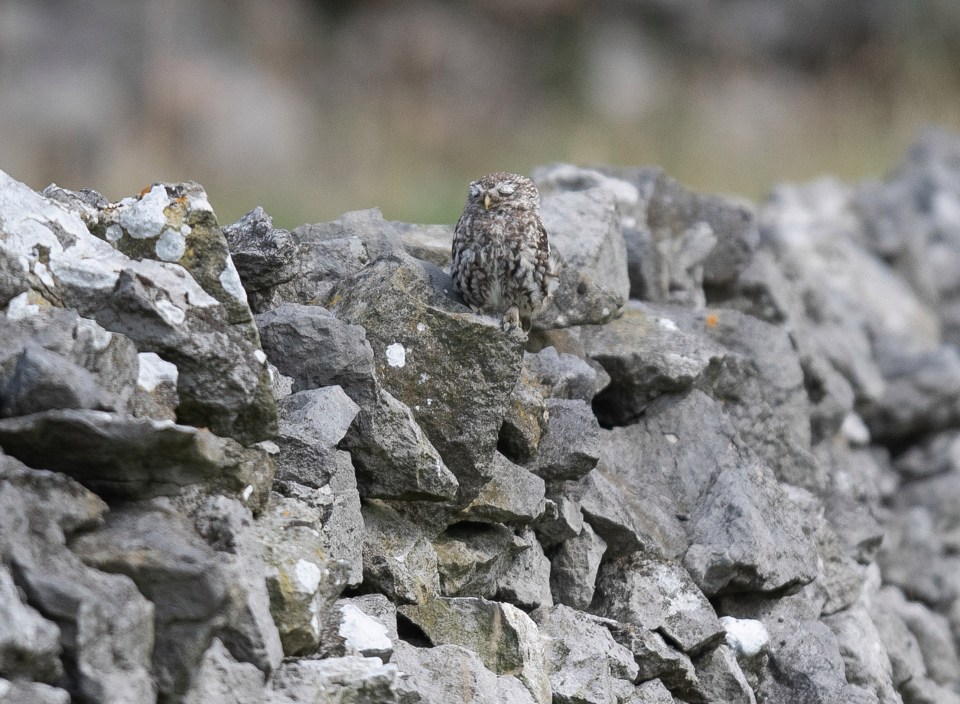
<point x="628" y="516"/>
<point x="351" y="678"/>
<point x="694" y="237"/>
<point x="31" y="693"/>
<point x="584" y="658"/>
<point x="392" y="457"/>
<point x="721" y="679"/>
<point x="937" y="454"/>
<point x="105" y="625"/>
<point x="337" y="249"/>
<point x="657" y="660"/>
<point x="29" y="644"/>
<point x="526" y="581"/>
<point x="914" y="556"/>
<point x="652" y="692"/>
<point x="418" y="333"/>
<point x="56" y="359"/>
<point x="646" y="355"/>
<point x="312" y="422"/>
<point x="932" y="632"/>
<point x="865" y="659"/>
<point x="222" y="680"/>
<point x="524" y="420"/>
<point x="926" y="691"/>
<point x="192" y="312"/>
<point x="505" y="638"/>
<point x="363" y="634"/>
<point x="319" y="417"/>
<point x="156" y="393"/>
<point x="570" y="444"/>
<point x="447" y="673"/>
<point x="429" y="243"/>
<point x="920" y="397"/>
<point x="584" y="228"/>
<point x="398" y="557"/>
<point x="695" y="463"/>
<point x="185" y="579"/>
<point x="129" y="457"/>
<point x="510" y="690"/>
<point x="513" y="495"/>
<point x="472" y="558"/>
<point x="659" y="596"/>
<point x="378" y="607"/>
<point x="733" y="546"/>
<point x="561" y="375"/>
<point x="804" y="661"/>
<point x="264" y="255"/>
<point x="315" y="349"/>
<point x="906" y="660"/>
<point x="574" y="566"/>
<point x="303" y="581"/>
<point x="841" y="578"/>
<point x="560" y="521"/>
<point x="228" y="527"/>
<point x="761" y="382"/>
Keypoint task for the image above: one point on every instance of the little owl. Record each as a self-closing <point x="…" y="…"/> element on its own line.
<point x="501" y="257"/>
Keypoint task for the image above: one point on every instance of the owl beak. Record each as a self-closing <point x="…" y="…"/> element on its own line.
<point x="486" y="201"/>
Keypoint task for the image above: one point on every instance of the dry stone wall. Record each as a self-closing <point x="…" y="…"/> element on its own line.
<point x="252" y="465"/>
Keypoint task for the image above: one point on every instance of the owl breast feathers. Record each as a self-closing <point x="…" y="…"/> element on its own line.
<point x="501" y="256"/>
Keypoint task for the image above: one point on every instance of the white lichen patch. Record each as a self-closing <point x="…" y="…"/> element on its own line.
<point x="201" y="203"/>
<point x="99" y="337"/>
<point x="43" y="273"/>
<point x="230" y="280"/>
<point x="154" y="371"/>
<point x="747" y="637"/>
<point x="306" y="576"/>
<point x="170" y="246"/>
<point x="20" y="307"/>
<point x="855" y="430"/>
<point x="361" y="632"/>
<point x="144" y="218"/>
<point x="421" y="327"/>
<point x="683" y="602"/>
<point x="114" y="233"/>
<point x="170" y="313"/>
<point x="667" y="324"/>
<point x="396" y="355"/>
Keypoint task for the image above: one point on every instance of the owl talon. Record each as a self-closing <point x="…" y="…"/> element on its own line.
<point x="511" y="320"/>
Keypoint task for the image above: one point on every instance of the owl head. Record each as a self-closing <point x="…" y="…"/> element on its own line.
<point x="501" y="190"/>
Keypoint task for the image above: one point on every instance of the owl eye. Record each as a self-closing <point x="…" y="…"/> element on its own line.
<point x="474" y="190"/>
<point x="507" y="189"/>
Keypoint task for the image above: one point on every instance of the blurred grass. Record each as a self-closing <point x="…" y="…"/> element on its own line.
<point x="738" y="137"/>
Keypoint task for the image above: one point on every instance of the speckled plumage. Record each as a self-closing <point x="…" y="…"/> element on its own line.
<point x="501" y="256"/>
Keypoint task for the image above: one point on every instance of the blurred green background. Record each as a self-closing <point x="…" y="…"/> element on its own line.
<point x="310" y="108"/>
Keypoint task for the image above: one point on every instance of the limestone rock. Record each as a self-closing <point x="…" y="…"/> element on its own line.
<point x="419" y="333"/>
<point x="513" y="495"/>
<point x="659" y="596"/>
<point x="398" y="557"/>
<point x="516" y="649"/>
<point x="584" y="658"/>
<point x="584" y="228"/>
<point x="129" y="457"/>
<point x="573" y="571"/>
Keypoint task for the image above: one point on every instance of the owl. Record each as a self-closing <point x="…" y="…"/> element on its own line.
<point x="501" y="256"/>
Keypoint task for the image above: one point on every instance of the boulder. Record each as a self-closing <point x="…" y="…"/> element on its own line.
<point x="505" y="638"/>
<point x="419" y="333"/>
